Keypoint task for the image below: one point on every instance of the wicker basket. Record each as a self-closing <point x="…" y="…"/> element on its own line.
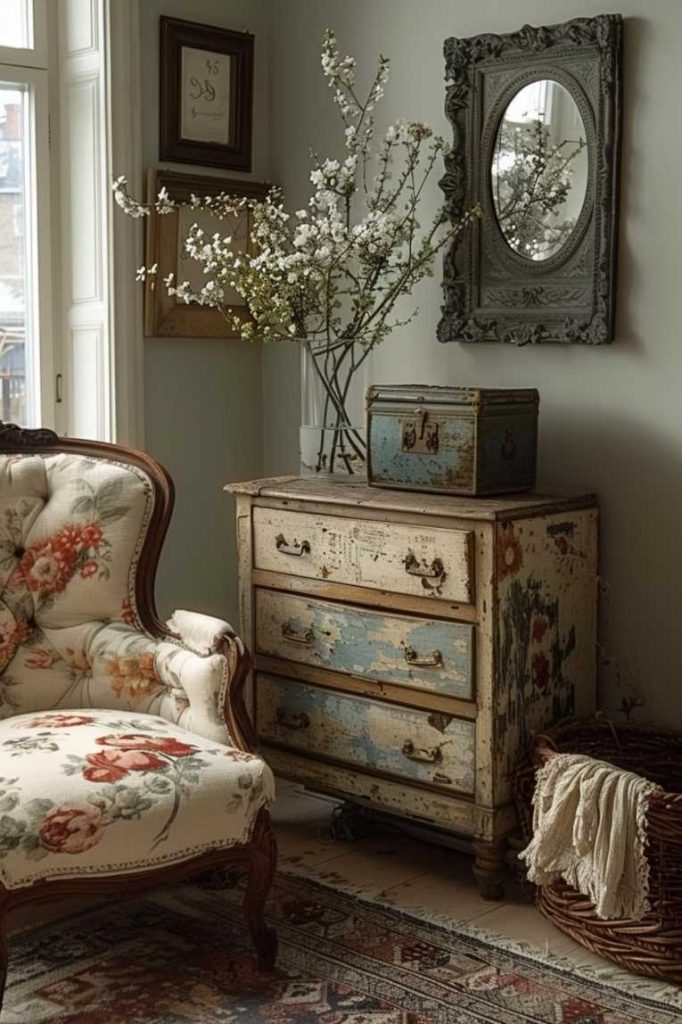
<point x="652" y="946"/>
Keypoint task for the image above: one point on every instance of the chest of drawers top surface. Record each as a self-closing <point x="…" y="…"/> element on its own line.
<point x="512" y="506"/>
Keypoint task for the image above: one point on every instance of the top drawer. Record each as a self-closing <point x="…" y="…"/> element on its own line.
<point x="416" y="560"/>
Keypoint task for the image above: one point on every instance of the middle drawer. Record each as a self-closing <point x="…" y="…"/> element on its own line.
<point x="428" y="654"/>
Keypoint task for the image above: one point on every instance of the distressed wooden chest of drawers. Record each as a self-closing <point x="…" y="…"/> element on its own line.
<point x="406" y="645"/>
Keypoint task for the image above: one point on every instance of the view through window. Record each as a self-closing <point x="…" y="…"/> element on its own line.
<point x="16" y="299"/>
<point x="19" y="384"/>
<point x="16" y="28"/>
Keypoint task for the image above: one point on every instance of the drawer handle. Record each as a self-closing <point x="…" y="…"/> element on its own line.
<point x="305" y="639"/>
<point x="422" y="754"/>
<point x="433" y="660"/>
<point x="432" y="576"/>
<point x="299" y="720"/>
<point x="295" y="549"/>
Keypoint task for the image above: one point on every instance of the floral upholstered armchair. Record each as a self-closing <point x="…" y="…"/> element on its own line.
<point x="125" y="749"/>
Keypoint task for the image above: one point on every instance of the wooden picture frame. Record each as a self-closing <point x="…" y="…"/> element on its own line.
<point x="206" y="94"/>
<point x="164" y="315"/>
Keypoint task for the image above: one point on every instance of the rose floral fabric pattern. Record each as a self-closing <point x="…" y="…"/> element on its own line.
<point x="70" y="532"/>
<point x="112" y="791"/>
<point x="114" y="665"/>
<point x="114" y="751"/>
<point x="71" y="529"/>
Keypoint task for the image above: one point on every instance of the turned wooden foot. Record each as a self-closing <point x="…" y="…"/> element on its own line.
<point x="489" y="867"/>
<point x="4" y="956"/>
<point x="263" y="861"/>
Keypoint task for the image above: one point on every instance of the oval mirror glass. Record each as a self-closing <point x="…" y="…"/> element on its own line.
<point x="539" y="169"/>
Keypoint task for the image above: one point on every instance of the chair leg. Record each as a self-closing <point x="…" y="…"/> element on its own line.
<point x="263" y="861"/>
<point x="4" y="950"/>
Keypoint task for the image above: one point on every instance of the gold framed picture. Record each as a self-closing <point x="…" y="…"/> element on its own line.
<point x="164" y="315"/>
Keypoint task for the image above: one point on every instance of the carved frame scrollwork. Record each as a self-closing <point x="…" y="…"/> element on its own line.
<point x="490" y="292"/>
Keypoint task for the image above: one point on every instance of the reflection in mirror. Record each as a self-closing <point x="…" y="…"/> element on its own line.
<point x="539" y="169"/>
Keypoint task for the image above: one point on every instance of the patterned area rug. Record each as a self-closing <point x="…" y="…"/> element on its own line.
<point x="182" y="956"/>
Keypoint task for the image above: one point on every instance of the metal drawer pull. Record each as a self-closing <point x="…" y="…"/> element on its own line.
<point x="292" y="549"/>
<point x="433" y="660"/>
<point x="289" y="633"/>
<point x="296" y="721"/>
<point x="432" y="576"/>
<point x="421" y="754"/>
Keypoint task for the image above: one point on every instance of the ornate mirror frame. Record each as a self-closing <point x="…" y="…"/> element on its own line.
<point x="492" y="293"/>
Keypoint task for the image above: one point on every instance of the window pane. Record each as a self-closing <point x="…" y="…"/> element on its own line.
<point x="16" y="23"/>
<point x="17" y="333"/>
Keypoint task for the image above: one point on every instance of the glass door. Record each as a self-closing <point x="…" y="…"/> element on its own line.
<point x="19" y="394"/>
<point x="26" y="356"/>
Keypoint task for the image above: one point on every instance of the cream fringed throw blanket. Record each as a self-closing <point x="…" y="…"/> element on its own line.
<point x="589" y="820"/>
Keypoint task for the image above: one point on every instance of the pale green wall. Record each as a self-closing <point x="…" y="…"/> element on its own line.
<point x="611" y="418"/>
<point x="203" y="397"/>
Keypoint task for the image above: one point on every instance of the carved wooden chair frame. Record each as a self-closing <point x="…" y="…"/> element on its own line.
<point x="259" y="855"/>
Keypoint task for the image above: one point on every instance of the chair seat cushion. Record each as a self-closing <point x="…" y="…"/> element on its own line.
<point x="91" y="791"/>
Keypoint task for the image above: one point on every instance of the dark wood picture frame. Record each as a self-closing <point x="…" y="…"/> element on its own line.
<point x="490" y="292"/>
<point x="164" y="315"/>
<point x="235" y="152"/>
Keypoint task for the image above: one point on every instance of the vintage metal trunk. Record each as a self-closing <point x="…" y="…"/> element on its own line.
<point x="467" y="441"/>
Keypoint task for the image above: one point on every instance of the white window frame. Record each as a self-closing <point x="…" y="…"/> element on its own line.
<point x="29" y="67"/>
<point x="34" y="56"/>
<point x="87" y="99"/>
<point x="124" y="114"/>
<point x="100" y="120"/>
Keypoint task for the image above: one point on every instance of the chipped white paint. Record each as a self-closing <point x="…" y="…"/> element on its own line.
<point x="288" y="490"/>
<point x="359" y="538"/>
<point x="245" y="561"/>
<point x="455" y="814"/>
<point x="546" y="630"/>
<point x="390" y="556"/>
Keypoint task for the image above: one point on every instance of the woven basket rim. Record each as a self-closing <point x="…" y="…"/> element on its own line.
<point x="544" y="742"/>
<point x="651" y="947"/>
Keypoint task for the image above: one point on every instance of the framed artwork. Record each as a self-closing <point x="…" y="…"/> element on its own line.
<point x="206" y="95"/>
<point x="164" y="315"/>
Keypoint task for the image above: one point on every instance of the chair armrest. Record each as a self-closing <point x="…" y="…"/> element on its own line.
<point x="198" y="685"/>
<point x="203" y="634"/>
<point x="211" y="638"/>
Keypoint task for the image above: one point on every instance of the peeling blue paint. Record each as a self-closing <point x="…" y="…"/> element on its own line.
<point x="454" y="447"/>
<point x="366" y="643"/>
<point x="451" y="466"/>
<point x="353" y="729"/>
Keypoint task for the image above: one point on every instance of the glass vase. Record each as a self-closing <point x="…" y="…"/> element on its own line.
<point x="332" y="437"/>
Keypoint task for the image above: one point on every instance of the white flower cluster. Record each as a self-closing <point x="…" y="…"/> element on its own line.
<point x="358" y="116"/>
<point x="126" y="202"/>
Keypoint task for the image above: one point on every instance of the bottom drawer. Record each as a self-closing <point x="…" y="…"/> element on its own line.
<point x="453" y="812"/>
<point x="422" y="746"/>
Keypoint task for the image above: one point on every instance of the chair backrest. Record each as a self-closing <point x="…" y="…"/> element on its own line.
<point x="81" y="529"/>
